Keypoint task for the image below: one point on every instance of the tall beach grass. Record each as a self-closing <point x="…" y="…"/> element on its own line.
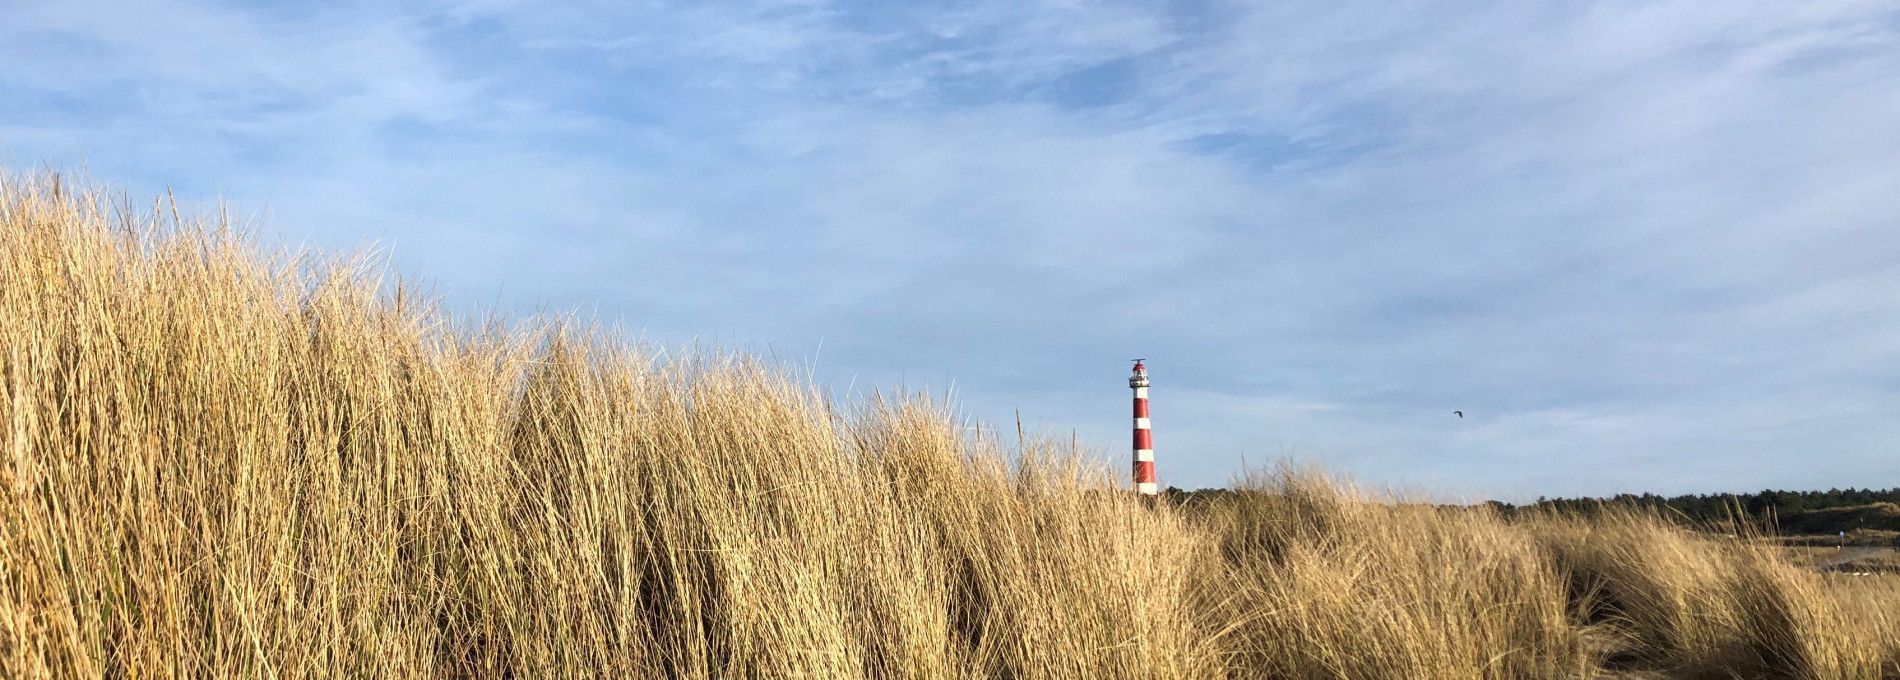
<point x="217" y="461"/>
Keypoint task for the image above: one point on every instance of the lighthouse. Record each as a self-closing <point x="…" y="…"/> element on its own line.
<point x="1144" y="438"/>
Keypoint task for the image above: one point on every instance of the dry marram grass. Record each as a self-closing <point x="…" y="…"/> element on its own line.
<point x="219" y="462"/>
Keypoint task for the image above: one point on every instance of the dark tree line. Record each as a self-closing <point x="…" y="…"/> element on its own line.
<point x="1795" y="512"/>
<point x="1717" y="507"/>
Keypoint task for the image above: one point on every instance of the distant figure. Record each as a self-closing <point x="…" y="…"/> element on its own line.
<point x="1461" y="414"/>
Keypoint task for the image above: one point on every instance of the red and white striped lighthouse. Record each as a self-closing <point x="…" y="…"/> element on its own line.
<point x="1144" y="438"/>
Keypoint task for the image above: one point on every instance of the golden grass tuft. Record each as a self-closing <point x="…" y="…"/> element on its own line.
<point x="218" y="462"/>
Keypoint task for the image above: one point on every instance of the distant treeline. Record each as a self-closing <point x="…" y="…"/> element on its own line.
<point x="1716" y="507"/>
<point x="1794" y="512"/>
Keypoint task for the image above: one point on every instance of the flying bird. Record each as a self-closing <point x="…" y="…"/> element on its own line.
<point x="1461" y="414"/>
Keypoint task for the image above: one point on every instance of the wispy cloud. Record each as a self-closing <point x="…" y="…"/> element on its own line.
<point x="1642" y="246"/>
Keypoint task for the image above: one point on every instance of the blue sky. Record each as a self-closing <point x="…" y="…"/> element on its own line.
<point x="1643" y="246"/>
